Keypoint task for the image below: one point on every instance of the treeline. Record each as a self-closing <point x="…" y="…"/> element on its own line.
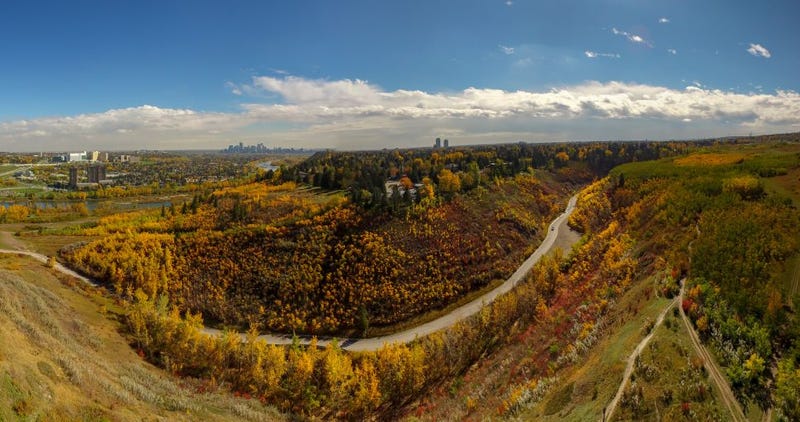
<point x="30" y="212"/>
<point x="460" y="169"/>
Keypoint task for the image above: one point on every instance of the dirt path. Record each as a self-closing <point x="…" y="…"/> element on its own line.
<point x="556" y="231"/>
<point x="632" y="360"/>
<point x="713" y="370"/>
<point x="795" y="287"/>
<point x="43" y="259"/>
<point x="8" y="239"/>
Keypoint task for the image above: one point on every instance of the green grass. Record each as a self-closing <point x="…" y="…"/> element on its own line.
<point x="7" y="167"/>
<point x="598" y="375"/>
<point x="667" y="360"/>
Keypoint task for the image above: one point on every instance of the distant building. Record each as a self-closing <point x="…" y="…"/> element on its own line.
<point x="77" y="156"/>
<point x="241" y="148"/>
<point x="96" y="174"/>
<point x="446" y="143"/>
<point x="94" y="156"/>
<point x="73" y="177"/>
<point x="437" y="143"/>
<point x="123" y="158"/>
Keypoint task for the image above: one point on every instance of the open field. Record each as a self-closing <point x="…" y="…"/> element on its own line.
<point x="710" y="159"/>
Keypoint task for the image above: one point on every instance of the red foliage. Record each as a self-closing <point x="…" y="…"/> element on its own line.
<point x="687" y="304"/>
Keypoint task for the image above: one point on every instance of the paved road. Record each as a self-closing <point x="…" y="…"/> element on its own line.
<point x="713" y="370"/>
<point x="632" y="360"/>
<point x="557" y="229"/>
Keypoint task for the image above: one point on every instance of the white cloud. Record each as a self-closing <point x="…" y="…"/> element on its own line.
<point x="759" y="50"/>
<point x="509" y="3"/>
<point x="593" y="54"/>
<point x="663" y="20"/>
<point x="235" y="90"/>
<point x="672" y="51"/>
<point x="356" y="114"/>
<point x="506" y="50"/>
<point x="295" y="89"/>
<point x="114" y="128"/>
<point x="634" y="38"/>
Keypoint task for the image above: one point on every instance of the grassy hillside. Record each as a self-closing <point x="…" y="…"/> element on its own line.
<point x="62" y="358"/>
<point x="722" y="215"/>
<point x="726" y="216"/>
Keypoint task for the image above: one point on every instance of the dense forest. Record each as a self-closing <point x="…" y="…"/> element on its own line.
<point x="364" y="174"/>
<point x="332" y="383"/>
<point x="384" y="237"/>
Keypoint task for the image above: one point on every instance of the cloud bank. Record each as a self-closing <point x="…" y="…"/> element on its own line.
<point x="355" y="114"/>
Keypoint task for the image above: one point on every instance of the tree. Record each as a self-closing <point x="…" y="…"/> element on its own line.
<point x="788" y="389"/>
<point x="337" y="371"/>
<point x="449" y="183"/>
<point x="406" y="183"/>
<point x="367" y="394"/>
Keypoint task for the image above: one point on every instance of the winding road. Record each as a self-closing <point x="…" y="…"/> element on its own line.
<point x="557" y="232"/>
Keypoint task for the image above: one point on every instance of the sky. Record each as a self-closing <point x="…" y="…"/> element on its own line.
<point x="172" y="74"/>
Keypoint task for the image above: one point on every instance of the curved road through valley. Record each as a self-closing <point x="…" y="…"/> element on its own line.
<point x="557" y="232"/>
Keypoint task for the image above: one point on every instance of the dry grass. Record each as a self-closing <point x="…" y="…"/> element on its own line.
<point x="710" y="159"/>
<point x="597" y="376"/>
<point x="61" y="359"/>
<point x="670" y="374"/>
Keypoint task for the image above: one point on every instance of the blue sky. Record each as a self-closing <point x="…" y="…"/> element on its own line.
<point x="374" y="74"/>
